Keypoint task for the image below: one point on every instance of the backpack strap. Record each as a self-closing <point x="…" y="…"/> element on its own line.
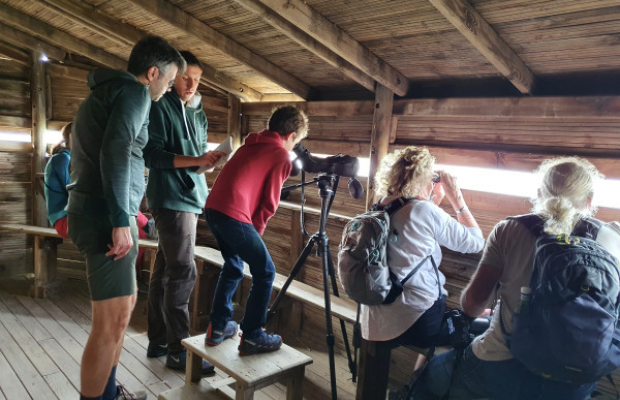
<point x="394" y="206"/>
<point x="587" y="228"/>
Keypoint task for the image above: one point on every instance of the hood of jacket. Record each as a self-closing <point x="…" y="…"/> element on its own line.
<point x="101" y="76"/>
<point x="264" y="137"/>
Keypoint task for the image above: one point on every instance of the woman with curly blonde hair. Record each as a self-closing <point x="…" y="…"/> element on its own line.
<point x="418" y="229"/>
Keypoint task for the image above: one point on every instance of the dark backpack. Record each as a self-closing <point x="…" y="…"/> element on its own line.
<point x="362" y="257"/>
<point x="570" y="330"/>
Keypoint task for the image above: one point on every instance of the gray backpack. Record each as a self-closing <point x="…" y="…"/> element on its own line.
<point x="362" y="257"/>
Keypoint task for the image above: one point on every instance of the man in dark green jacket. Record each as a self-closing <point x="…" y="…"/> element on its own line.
<point x="176" y="195"/>
<point x="107" y="185"/>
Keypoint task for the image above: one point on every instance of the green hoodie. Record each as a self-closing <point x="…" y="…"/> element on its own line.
<point x="176" y="129"/>
<point x="109" y="133"/>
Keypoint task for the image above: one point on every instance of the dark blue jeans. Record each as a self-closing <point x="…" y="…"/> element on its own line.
<point x="241" y="242"/>
<point x="496" y="380"/>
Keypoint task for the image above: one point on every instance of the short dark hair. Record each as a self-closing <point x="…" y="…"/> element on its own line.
<point x="287" y="119"/>
<point x="154" y="51"/>
<point x="190" y="58"/>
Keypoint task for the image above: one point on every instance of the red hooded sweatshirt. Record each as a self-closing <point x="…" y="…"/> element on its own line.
<point x="248" y="187"/>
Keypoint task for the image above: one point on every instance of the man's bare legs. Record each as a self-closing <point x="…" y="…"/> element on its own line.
<point x="103" y="349"/>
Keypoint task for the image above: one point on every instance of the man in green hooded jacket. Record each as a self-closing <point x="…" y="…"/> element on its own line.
<point x="107" y="185"/>
<point x="176" y="195"/>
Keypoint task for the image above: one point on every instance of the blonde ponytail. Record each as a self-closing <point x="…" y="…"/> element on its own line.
<point x="565" y="193"/>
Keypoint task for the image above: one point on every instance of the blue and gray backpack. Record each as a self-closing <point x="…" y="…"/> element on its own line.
<point x="570" y="332"/>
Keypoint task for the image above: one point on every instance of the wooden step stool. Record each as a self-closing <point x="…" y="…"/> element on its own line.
<point x="247" y="373"/>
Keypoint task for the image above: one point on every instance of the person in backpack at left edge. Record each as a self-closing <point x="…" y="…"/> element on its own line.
<point x="107" y="186"/>
<point x="176" y="194"/>
<point x="488" y="369"/>
<point x="417" y="230"/>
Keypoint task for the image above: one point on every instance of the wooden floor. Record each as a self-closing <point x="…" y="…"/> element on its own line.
<point x="41" y="345"/>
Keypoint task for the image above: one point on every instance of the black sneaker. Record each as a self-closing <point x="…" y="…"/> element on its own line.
<point x="156" y="350"/>
<point x="260" y="343"/>
<point x="215" y="337"/>
<point x="177" y="361"/>
<point x="124" y="394"/>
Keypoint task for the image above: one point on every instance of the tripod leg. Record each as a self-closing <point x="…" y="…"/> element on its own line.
<point x="298" y="264"/>
<point x="343" y="328"/>
<point x="328" y="317"/>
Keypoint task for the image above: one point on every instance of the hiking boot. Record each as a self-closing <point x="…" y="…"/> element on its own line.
<point x="262" y="342"/>
<point x="215" y="336"/>
<point x="156" y="350"/>
<point x="124" y="394"/>
<point x="177" y="361"/>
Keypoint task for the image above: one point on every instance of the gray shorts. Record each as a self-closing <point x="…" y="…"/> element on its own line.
<point x="107" y="278"/>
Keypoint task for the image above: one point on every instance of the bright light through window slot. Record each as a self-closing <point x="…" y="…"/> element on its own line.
<point x="20" y="137"/>
<point x="53" y="137"/>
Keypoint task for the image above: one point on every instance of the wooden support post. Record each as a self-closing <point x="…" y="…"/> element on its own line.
<point x="374" y="370"/>
<point x="45" y="265"/>
<point x="39" y="126"/>
<point x="234" y="119"/>
<point x="380" y="139"/>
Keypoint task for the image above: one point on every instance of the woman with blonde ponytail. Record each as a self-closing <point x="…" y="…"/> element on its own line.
<point x="417" y="230"/>
<point x="488" y="369"/>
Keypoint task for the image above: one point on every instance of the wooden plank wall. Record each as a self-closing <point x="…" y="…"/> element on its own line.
<point x="15" y="167"/>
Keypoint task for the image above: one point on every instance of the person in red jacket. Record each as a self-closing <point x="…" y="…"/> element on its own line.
<point x="244" y="196"/>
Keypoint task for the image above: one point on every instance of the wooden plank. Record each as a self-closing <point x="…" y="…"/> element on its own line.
<point x="466" y="19"/>
<point x="192" y="26"/>
<point x="15" y="54"/>
<point x="22" y="40"/>
<point x="9" y="382"/>
<point x="19" y="20"/>
<point x="9" y="121"/>
<point x="601" y="107"/>
<point x="38" y="90"/>
<point x="68" y="72"/>
<point x="340" y="42"/>
<point x="23" y="368"/>
<point x="380" y="138"/>
<point x="309" y="43"/>
<point x="315" y="108"/>
<point x="234" y="120"/>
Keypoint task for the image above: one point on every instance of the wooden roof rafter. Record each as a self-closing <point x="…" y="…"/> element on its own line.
<point x="22" y="40"/>
<point x="318" y="27"/>
<point x="479" y="33"/>
<point x="34" y="27"/>
<point x="93" y="19"/>
<point x="175" y="16"/>
<point x="309" y="43"/>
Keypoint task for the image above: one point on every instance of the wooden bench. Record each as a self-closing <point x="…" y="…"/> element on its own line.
<point x="247" y="373"/>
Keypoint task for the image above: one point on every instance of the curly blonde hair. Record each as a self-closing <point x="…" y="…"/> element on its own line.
<point x="405" y="172"/>
<point x="564" y="194"/>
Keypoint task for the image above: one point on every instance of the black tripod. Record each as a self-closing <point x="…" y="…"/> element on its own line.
<point x="327" y="198"/>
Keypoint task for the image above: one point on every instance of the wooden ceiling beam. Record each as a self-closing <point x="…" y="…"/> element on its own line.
<point x="477" y="30"/>
<point x="19" y="20"/>
<point x="89" y="16"/>
<point x="306" y="41"/>
<point x="192" y="26"/>
<point x="22" y="40"/>
<point x="125" y="34"/>
<point x="333" y="37"/>
<point x="15" y="54"/>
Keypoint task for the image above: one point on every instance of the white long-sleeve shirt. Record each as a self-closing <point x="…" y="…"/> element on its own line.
<point x="417" y="231"/>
